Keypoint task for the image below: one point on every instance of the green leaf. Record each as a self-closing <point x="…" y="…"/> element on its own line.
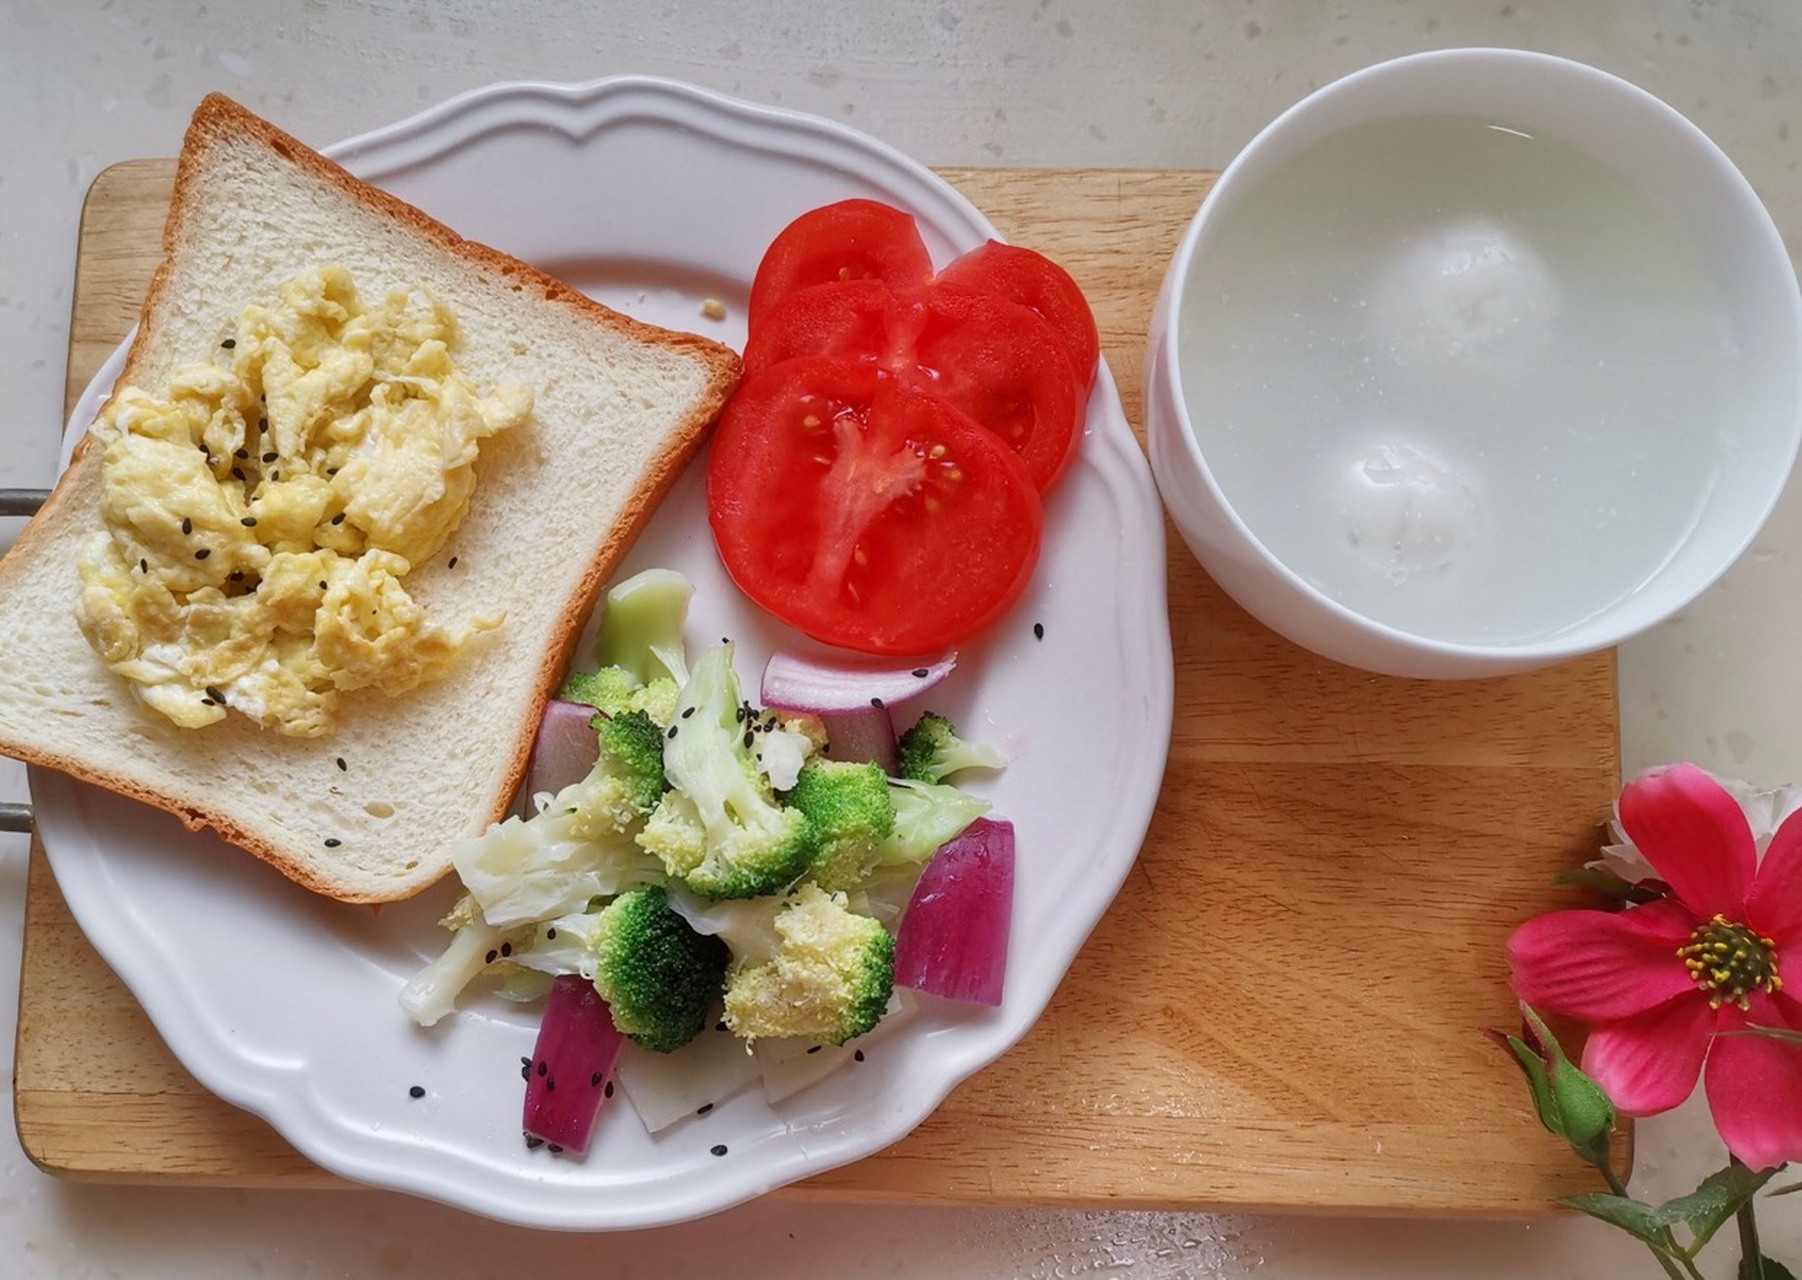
<point x="1773" y="1270"/>
<point x="1606" y="882"/>
<point x="1720" y="1196"/>
<point x="1641" y="1221"/>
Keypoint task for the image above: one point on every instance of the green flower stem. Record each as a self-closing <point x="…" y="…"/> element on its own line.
<point x="1751" y="1255"/>
<point x="1669" y="1264"/>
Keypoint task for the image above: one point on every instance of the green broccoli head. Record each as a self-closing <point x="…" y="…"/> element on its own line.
<point x="931" y="751"/>
<point x="614" y="690"/>
<point x="632" y="750"/>
<point x="610" y="689"/>
<point x="659" y="977"/>
<point x="720" y="828"/>
<point x="852" y="815"/>
<point x="829" y="980"/>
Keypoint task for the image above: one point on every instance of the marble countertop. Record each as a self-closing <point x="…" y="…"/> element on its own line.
<point x="1148" y="83"/>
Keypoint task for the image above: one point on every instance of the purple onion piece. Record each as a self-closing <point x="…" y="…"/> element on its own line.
<point x="953" y="938"/>
<point x="571" y="1070"/>
<point x="564" y="750"/>
<point x="864" y="734"/>
<point x="827" y="688"/>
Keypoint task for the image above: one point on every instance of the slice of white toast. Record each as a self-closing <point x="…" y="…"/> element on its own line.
<point x="367" y="813"/>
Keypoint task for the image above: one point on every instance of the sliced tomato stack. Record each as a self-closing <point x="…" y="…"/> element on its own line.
<point x="876" y="480"/>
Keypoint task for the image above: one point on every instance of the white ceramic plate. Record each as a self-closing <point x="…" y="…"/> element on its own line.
<point x="651" y="196"/>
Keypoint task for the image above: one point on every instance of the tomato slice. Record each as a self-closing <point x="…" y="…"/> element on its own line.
<point x="849" y="240"/>
<point x="857" y="320"/>
<point x="865" y="514"/>
<point x="1004" y="366"/>
<point x="1039" y="284"/>
<point x="997" y="361"/>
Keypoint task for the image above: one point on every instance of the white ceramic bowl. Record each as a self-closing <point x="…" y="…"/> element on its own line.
<point x="1473" y="361"/>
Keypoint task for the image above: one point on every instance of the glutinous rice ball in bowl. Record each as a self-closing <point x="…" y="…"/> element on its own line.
<point x="1473" y="361"/>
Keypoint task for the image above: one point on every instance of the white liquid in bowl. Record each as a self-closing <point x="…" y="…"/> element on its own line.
<point x="1471" y="384"/>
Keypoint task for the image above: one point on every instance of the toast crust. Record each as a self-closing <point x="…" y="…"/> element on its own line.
<point x="217" y="121"/>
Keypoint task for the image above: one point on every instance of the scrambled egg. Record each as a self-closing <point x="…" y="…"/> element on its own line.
<point x="261" y="519"/>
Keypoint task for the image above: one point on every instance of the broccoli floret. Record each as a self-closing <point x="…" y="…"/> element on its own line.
<point x="632" y="751"/>
<point x="615" y="691"/>
<point x="610" y="689"/>
<point x="641" y="629"/>
<point x="852" y="816"/>
<point x="719" y="828"/>
<point x="931" y="751"/>
<point x="659" y="977"/>
<point x="926" y="816"/>
<point x="829" y="980"/>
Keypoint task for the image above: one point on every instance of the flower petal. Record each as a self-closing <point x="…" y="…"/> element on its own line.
<point x="1774" y="902"/>
<point x="1602" y="966"/>
<point x="1695" y="834"/>
<point x="1755" y="1085"/>
<point x="1649" y="1063"/>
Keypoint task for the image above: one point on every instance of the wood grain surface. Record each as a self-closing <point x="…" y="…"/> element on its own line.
<point x="1281" y="1011"/>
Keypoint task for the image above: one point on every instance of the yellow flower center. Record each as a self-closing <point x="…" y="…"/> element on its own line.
<point x="1729" y="961"/>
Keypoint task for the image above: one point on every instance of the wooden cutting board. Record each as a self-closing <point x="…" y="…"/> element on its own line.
<point x="1281" y="1011"/>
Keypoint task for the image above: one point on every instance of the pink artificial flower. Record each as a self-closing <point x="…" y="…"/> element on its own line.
<point x="1662" y="981"/>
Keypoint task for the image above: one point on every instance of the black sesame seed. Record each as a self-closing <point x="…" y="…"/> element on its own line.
<point x="725" y="640"/>
<point x="858" y="1056"/>
<point x="542" y="1068"/>
<point x="1038" y="631"/>
<point x="525" y="1062"/>
<point x="554" y="1149"/>
<point x="229" y="343"/>
<point x="262" y="424"/>
<point x="550" y="1083"/>
<point x="237" y="473"/>
<point x="491" y="958"/>
<point x="814" y="1049"/>
<point x="525" y="1072"/>
<point x="417" y="1091"/>
<point x="877" y="703"/>
<point x="271" y="456"/>
<point x="322" y="585"/>
<point x="214" y="694"/>
<point x="506" y="948"/>
<point x="332" y="842"/>
<point x="452" y="564"/>
<point x="704" y="1109"/>
<point x="608" y="1091"/>
<point x="687" y="712"/>
<point x="249" y="522"/>
<point x="338" y="519"/>
<point x="203" y="553"/>
<point x="240" y="454"/>
<point x="532" y="1144"/>
<point x="207" y="702"/>
<point x="187" y="525"/>
<point x="594" y="1081"/>
<point x="274" y="476"/>
<point x="342" y="767"/>
<point x="719" y="1026"/>
<point x="143" y="566"/>
<point x="237" y="575"/>
<point x="550" y="934"/>
<point x="719" y="1149"/>
<point x="672" y="731"/>
<point x="749" y="738"/>
<point x="920" y="673"/>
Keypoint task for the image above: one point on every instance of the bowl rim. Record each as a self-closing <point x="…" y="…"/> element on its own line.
<point x="1581" y="635"/>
